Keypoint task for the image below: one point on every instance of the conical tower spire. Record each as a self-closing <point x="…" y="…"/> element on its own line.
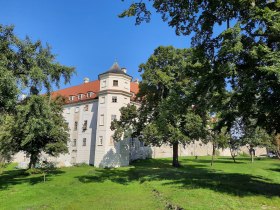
<point x="115" y="66"/>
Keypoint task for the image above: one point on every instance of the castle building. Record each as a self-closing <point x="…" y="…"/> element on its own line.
<point x="89" y="111"/>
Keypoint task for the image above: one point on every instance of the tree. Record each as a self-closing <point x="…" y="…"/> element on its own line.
<point x="30" y="67"/>
<point x="276" y="145"/>
<point x="166" y="114"/>
<point x="38" y="126"/>
<point x="244" y="56"/>
<point x="26" y="66"/>
<point x="255" y="137"/>
<point x="218" y="138"/>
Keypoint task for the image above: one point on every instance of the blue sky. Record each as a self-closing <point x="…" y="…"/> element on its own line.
<point x="88" y="35"/>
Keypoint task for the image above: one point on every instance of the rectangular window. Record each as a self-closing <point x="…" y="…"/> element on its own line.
<point x="100" y="141"/>
<point x="75" y="126"/>
<point x="101" y="120"/>
<point x="114" y="99"/>
<point x="85" y="125"/>
<point x="113" y="117"/>
<point x="77" y="109"/>
<point x="102" y="100"/>
<point x="103" y="83"/>
<point x="115" y="82"/>
<point x="84" y="142"/>
<point x="86" y="108"/>
<point x="74" y="143"/>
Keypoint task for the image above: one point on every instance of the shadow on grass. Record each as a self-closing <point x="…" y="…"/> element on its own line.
<point x="19" y="176"/>
<point x="220" y="160"/>
<point x="186" y="177"/>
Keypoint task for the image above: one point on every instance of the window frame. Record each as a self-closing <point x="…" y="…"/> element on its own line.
<point x="100" y="141"/>
<point x="102" y="120"/>
<point x="114" y="99"/>
<point x="76" y="125"/>
<point x="85" y="125"/>
<point x="115" y="83"/>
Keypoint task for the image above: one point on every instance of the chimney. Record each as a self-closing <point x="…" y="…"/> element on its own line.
<point x="136" y="80"/>
<point x="124" y="70"/>
<point x="86" y="80"/>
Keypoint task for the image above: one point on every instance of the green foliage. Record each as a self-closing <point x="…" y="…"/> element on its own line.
<point x="26" y="66"/>
<point x="127" y="122"/>
<point x="166" y="114"/>
<point x="242" y="78"/>
<point x="36" y="123"/>
<point x="256" y="137"/>
<point x="38" y="126"/>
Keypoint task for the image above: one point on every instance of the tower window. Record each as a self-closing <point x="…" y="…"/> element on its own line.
<point x="115" y="82"/>
<point x="114" y="99"/>
<point x="84" y="142"/>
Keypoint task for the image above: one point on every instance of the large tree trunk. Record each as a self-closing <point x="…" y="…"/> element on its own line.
<point x="175" y="162"/>
<point x="33" y="160"/>
<point x="213" y="153"/>
<point x="252" y="153"/>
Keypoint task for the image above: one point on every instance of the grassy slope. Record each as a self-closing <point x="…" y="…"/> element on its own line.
<point x="149" y="184"/>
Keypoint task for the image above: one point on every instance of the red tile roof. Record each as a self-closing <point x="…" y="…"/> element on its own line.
<point x="84" y="88"/>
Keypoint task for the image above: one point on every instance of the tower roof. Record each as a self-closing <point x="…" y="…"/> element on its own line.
<point x="116" y="69"/>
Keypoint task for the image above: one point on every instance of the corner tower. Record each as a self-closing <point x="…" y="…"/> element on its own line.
<point x="114" y="93"/>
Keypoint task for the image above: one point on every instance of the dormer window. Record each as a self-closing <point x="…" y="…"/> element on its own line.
<point x="80" y="96"/>
<point x="115" y="83"/>
<point x="89" y="94"/>
<point x="71" y="98"/>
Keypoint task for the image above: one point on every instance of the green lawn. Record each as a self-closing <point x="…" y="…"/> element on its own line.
<point x="148" y="184"/>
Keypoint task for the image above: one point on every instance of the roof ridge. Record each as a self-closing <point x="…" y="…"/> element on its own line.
<point x="76" y="85"/>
